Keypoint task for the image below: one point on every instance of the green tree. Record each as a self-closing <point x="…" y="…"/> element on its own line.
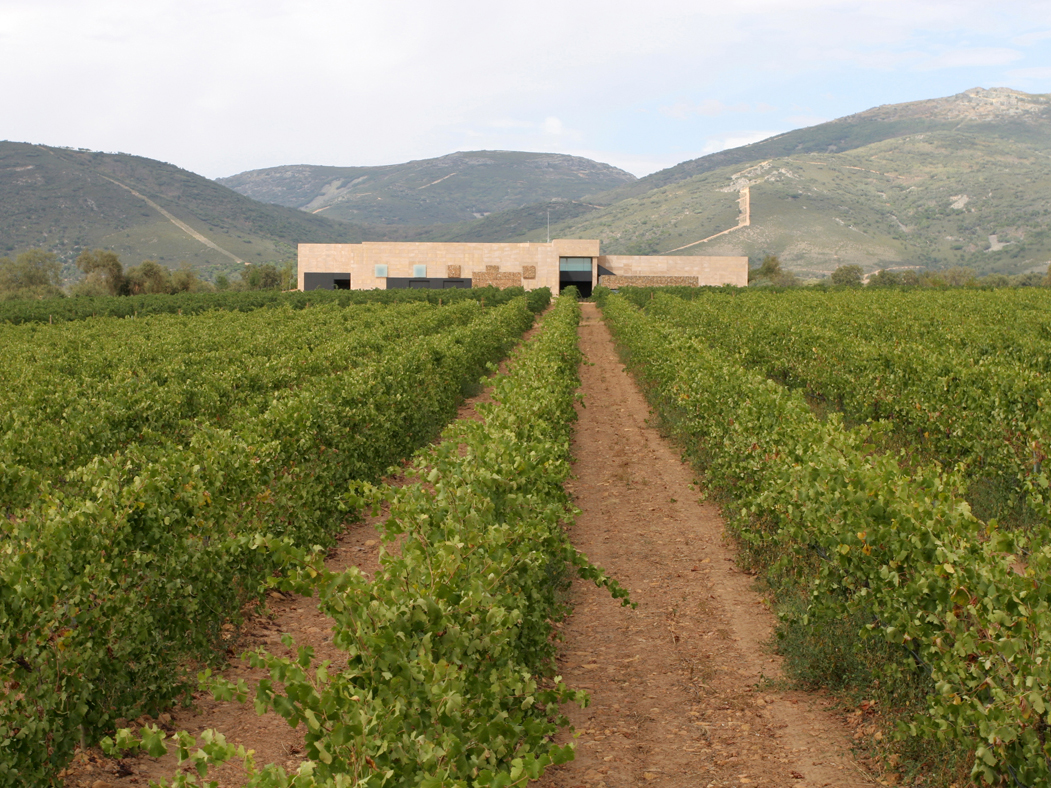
<point x="847" y="276"/>
<point x="185" y="280"/>
<point x="1030" y="279"/>
<point x="768" y="269"/>
<point x="261" y="277"/>
<point x="909" y="278"/>
<point x="957" y="276"/>
<point x="994" y="280"/>
<point x="149" y="277"/>
<point x="289" y="275"/>
<point x="771" y="272"/>
<point x="33" y="274"/>
<point x="222" y="282"/>
<point x="884" y="278"/>
<point x="104" y="267"/>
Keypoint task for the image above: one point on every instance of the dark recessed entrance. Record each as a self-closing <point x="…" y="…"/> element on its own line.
<point x="575" y="271"/>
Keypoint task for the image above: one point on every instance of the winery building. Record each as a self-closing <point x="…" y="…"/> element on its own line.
<point x="558" y="264"/>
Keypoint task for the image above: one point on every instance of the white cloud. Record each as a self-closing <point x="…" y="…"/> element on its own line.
<point x="552" y="126"/>
<point x="1035" y="73"/>
<point x="1036" y="79"/>
<point x="1029" y="39"/>
<point x="709" y="108"/>
<point x="510" y="123"/>
<point x="975" y="56"/>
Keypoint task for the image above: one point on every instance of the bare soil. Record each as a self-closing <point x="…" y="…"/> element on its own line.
<point x="681" y="686"/>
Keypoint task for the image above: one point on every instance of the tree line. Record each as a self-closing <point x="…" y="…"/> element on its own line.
<point x="37" y="273"/>
<point x="771" y="272"/>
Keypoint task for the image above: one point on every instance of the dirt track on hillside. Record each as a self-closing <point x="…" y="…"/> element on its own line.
<point x="680" y="686"/>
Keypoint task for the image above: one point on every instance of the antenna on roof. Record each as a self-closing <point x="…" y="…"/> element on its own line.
<point x="549" y="225"/>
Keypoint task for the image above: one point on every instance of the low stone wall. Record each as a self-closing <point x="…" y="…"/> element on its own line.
<point x="616" y="282"/>
<point x="496" y="279"/>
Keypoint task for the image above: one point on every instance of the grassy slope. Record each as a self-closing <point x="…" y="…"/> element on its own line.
<point x="61" y="200"/>
<point x="454" y="188"/>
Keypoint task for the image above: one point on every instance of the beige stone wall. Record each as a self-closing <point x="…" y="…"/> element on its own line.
<point x="532" y="265"/>
<point x="330" y="258"/>
<point x="615" y="282"/>
<point x="498" y="279"/>
<point x="708" y="270"/>
<point x="529" y="264"/>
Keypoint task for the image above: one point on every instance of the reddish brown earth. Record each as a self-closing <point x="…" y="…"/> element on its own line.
<point x="681" y="686"/>
<point x="269" y="735"/>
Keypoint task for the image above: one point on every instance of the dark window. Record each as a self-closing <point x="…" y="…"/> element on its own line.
<point x="326" y="281"/>
<point x="574" y="264"/>
<point x="433" y="283"/>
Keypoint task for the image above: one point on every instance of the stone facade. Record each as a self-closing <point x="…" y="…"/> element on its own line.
<point x="368" y="265"/>
<point x="494" y="278"/>
<point x="615" y="282"/>
<point x="706" y="270"/>
<point x="361" y="262"/>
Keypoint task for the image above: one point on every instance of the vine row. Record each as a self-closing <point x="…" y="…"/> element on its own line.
<point x="449" y="678"/>
<point x="962" y="613"/>
<point x="114" y="588"/>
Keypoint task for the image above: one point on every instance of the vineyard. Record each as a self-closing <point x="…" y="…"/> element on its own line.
<point x="844" y="433"/>
<point x="54" y="310"/>
<point x="157" y="471"/>
<point x="879" y="457"/>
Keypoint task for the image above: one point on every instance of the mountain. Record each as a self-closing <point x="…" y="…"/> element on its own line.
<point x="454" y="188"/>
<point x="977" y="110"/>
<point x="962" y="180"/>
<point x="68" y="200"/>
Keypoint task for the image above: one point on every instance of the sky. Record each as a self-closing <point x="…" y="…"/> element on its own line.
<point x="224" y="86"/>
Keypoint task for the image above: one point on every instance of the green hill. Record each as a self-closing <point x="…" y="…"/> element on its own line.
<point x="964" y="180"/>
<point x="67" y="200"/>
<point x="999" y="111"/>
<point x="454" y="188"/>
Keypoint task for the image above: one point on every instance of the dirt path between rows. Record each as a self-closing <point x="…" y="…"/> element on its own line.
<point x="679" y="686"/>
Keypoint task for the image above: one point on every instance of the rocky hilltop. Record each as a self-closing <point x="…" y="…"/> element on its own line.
<point x="977" y="105"/>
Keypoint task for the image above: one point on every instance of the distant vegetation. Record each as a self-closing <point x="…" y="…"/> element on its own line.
<point x="35" y="274"/>
<point x="32" y="274"/>
<point x="57" y="310"/>
<point x="771" y="272"/>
